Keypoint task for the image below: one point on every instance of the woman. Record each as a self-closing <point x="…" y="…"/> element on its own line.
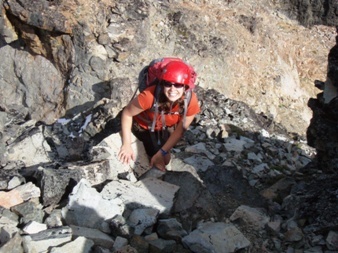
<point x="170" y="123"/>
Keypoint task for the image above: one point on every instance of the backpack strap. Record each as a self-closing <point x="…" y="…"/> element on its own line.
<point x="163" y="120"/>
<point x="143" y="79"/>
<point x="186" y="101"/>
<point x="164" y="133"/>
<point x="157" y="93"/>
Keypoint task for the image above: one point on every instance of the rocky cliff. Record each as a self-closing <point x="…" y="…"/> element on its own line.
<point x="60" y="57"/>
<point x="247" y="177"/>
<point x="312" y="12"/>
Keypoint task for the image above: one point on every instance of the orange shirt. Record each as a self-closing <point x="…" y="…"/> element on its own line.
<point x="146" y="101"/>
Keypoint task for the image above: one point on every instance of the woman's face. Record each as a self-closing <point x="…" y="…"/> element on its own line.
<point x="173" y="91"/>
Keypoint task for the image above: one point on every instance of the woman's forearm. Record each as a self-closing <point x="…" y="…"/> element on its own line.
<point x="126" y="154"/>
<point x="178" y="133"/>
<point x="126" y="124"/>
<point x="174" y="138"/>
<point x="132" y="109"/>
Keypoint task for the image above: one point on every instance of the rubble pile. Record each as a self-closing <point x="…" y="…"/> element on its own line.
<point x="238" y="182"/>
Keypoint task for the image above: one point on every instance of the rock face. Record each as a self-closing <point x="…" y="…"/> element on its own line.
<point x="322" y="132"/>
<point x="61" y="57"/>
<point x="239" y="180"/>
<point x="313" y="12"/>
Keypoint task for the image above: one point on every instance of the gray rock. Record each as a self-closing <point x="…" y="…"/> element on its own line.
<point x="29" y="211"/>
<point x="13" y="245"/>
<point x="200" y="148"/>
<point x="233" y="144"/>
<point x="31" y="150"/>
<point x="8" y="218"/>
<point x="317" y="249"/>
<point x="140" y="244"/>
<point x="79" y="245"/>
<point x="332" y="240"/>
<point x="171" y="229"/>
<point x="34" y="78"/>
<point x="88" y="208"/>
<point x="43" y="241"/>
<point x="142" y="218"/>
<point x="15" y="182"/>
<point x="144" y="193"/>
<point x="161" y="245"/>
<point x="95" y="173"/>
<point x="216" y="237"/>
<point x="192" y="198"/>
<point x="120" y="242"/>
<point x="54" y="219"/>
<point x="127" y="249"/>
<point x="294" y="235"/>
<point x="53" y="183"/>
<point x="7" y="233"/>
<point x="253" y="217"/>
<point x="199" y="162"/>
<point x="34" y="227"/>
<point x="279" y="190"/>
<point x="252" y="156"/>
<point x="120" y="227"/>
<point x="99" y="238"/>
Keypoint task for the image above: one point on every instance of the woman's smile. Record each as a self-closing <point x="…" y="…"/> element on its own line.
<point x="173" y="93"/>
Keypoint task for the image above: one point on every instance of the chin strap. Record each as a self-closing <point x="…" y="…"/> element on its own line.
<point x="186" y="101"/>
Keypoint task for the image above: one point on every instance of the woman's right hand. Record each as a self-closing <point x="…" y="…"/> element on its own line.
<point x="126" y="154"/>
<point x="158" y="161"/>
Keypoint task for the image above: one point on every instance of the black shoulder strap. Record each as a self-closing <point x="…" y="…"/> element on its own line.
<point x="186" y="101"/>
<point x="157" y="93"/>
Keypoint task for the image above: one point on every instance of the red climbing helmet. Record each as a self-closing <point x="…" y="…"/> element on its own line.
<point x="179" y="72"/>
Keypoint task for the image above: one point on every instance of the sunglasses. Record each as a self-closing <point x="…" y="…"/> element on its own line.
<point x="176" y="85"/>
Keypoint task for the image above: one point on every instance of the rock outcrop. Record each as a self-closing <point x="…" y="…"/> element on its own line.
<point x="313" y="12"/>
<point x="237" y="180"/>
<point x="322" y="131"/>
<point x="61" y="57"/>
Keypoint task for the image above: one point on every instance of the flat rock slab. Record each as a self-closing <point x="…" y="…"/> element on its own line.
<point x="44" y="240"/>
<point x="79" y="245"/>
<point x="31" y="150"/>
<point x="94" y="235"/>
<point x="216" y="237"/>
<point x="148" y="192"/>
<point x="109" y="148"/>
<point x="87" y="208"/>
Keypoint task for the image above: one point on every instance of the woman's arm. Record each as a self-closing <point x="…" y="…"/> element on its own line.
<point x="126" y="153"/>
<point x="178" y="133"/>
<point x="157" y="160"/>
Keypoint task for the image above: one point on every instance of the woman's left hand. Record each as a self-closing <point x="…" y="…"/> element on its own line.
<point x="158" y="161"/>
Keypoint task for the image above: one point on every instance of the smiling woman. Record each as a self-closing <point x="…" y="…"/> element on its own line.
<point x="160" y="123"/>
<point x="173" y="91"/>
